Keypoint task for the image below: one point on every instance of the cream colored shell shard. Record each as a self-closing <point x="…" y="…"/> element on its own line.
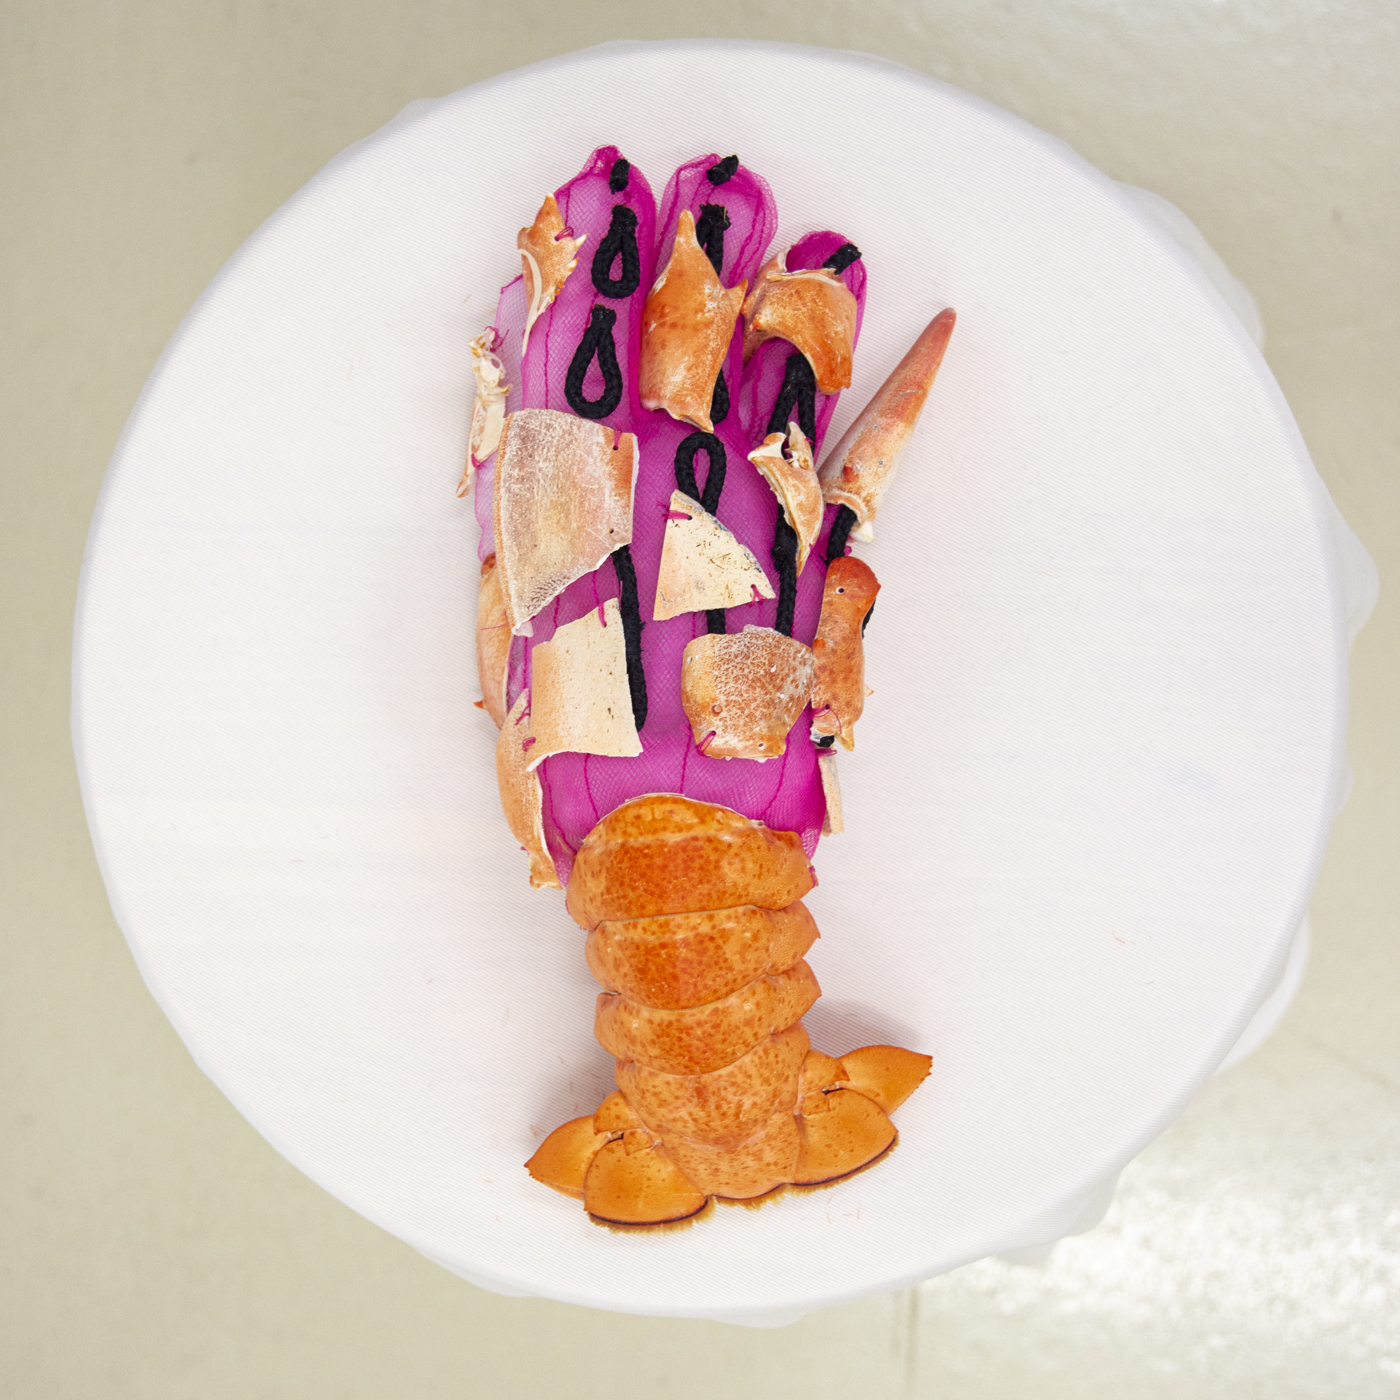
<point x="547" y="256"/>
<point x="488" y="409"/>
<point x="832" y="823"/>
<point x="857" y="471"/>
<point x="582" y="702"/>
<point x="814" y="310"/>
<point x="492" y="642"/>
<point x="687" y="325"/>
<point x="794" y="482"/>
<point x="563" y="505"/>
<point x="743" y="693"/>
<point x="702" y="565"/>
<point x="521" y="797"/>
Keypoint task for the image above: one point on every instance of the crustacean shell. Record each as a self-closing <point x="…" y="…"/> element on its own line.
<point x="674" y="961"/>
<point x="488" y="408"/>
<point x="698" y="1039"/>
<point x="857" y="472"/>
<point x="838" y="692"/>
<point x="582" y="703"/>
<point x="521" y="797"/>
<point x="673" y="889"/>
<point x="813" y="310"/>
<point x="686" y="329"/>
<point x="492" y="641"/>
<point x="702" y="564"/>
<point x="667" y="854"/>
<point x="834" y="822"/>
<point x="794" y="481"/>
<point x="547" y="256"/>
<point x="743" y="692"/>
<point x="563" y="505"/>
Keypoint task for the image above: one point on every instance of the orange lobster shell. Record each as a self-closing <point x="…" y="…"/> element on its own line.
<point x="697" y="931"/>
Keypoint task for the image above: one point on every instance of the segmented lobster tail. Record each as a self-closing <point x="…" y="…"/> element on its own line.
<point x="697" y="930"/>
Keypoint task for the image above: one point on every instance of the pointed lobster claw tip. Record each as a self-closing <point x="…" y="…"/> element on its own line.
<point x="858" y="470"/>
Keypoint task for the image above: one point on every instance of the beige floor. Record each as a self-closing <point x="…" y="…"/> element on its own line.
<point x="156" y="1247"/>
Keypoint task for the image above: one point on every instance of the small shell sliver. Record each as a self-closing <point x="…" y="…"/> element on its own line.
<point x="488" y="408"/>
<point x="522" y="799"/>
<point x="547" y="256"/>
<point x="794" y="481"/>
<point x="743" y="692"/>
<point x="492" y="642"/>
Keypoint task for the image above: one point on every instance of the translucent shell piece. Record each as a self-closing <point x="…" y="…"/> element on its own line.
<point x="521" y="797"/>
<point x="794" y="481"/>
<point x="492" y="641"/>
<point x="563" y="505"/>
<point x="702" y="564"/>
<point x="838" y="692"/>
<point x="488" y="410"/>
<point x="582" y="702"/>
<point x="547" y="256"/>
<point x="687" y="325"/>
<point x="813" y="310"/>
<point x="743" y="693"/>
<point x="858" y="470"/>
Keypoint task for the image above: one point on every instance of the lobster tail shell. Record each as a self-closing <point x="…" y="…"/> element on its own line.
<point x="666" y="854"/>
<point x="697" y="931"/>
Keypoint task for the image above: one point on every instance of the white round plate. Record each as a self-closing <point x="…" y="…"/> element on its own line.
<point x="1092" y="787"/>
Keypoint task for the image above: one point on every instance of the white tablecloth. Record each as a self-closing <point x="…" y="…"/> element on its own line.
<point x="1093" y="786"/>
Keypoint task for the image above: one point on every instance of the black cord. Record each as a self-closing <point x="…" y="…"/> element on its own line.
<point x="631" y="631"/>
<point x="841" y="529"/>
<point x="597" y="340"/>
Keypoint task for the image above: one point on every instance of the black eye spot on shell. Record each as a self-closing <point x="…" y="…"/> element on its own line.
<point x="619" y="244"/>
<point x="709" y="233"/>
<point x="842" y="258"/>
<point x="723" y="171"/>
<point x="619" y="175"/>
<point x="597" y="340"/>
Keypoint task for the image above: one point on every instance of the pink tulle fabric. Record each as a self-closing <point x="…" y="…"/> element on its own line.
<point x="581" y="789"/>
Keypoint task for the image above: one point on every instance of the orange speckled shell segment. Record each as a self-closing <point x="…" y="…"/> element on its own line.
<point x="679" y="960"/>
<point x="666" y="854"/>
